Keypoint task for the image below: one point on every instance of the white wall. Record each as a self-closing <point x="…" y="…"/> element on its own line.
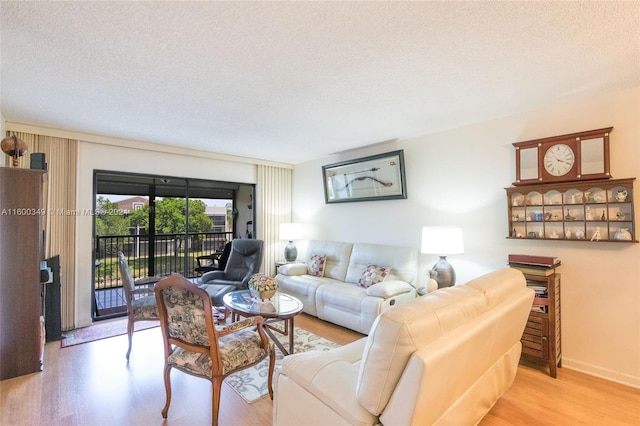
<point x="458" y="178"/>
<point x="92" y="156"/>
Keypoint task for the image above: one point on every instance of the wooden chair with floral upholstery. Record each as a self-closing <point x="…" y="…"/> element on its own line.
<point x="193" y="344"/>
<point x="141" y="302"/>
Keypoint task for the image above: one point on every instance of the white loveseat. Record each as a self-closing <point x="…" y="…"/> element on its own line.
<point x="443" y="358"/>
<point x="336" y="296"/>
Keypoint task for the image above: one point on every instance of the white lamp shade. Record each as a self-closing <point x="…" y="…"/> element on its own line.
<point x="290" y="231"/>
<point x="442" y="240"/>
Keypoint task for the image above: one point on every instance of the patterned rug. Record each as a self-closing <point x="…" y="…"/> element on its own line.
<point x="251" y="384"/>
<point x="102" y="330"/>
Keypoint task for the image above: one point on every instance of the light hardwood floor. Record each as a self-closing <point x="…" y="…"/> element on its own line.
<point x="91" y="384"/>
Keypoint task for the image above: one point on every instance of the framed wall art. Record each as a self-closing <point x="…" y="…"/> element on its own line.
<point x="377" y="177"/>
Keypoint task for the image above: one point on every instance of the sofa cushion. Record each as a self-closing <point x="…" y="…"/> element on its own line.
<point x="303" y="287"/>
<point x="373" y="274"/>
<point x="341" y="296"/>
<point x="316" y="265"/>
<point x="510" y="281"/>
<point x="398" y="333"/>
<point x="337" y="257"/>
<point x="402" y="261"/>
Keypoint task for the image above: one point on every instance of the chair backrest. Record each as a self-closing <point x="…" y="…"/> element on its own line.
<point x="224" y="257"/>
<point x="125" y="276"/>
<point x="245" y="259"/>
<point x="186" y="317"/>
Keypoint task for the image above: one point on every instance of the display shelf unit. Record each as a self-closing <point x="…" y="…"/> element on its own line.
<point x="596" y="210"/>
<point x="541" y="337"/>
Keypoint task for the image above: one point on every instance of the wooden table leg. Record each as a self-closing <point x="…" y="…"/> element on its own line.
<point x="290" y="324"/>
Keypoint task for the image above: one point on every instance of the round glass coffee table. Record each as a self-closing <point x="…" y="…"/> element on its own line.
<point x="281" y="307"/>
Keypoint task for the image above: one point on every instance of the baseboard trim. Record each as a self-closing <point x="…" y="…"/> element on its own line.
<point x="603" y="373"/>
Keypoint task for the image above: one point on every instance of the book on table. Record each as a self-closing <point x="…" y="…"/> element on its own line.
<point x="542" y="266"/>
<point x="526" y="259"/>
<point x="532" y="270"/>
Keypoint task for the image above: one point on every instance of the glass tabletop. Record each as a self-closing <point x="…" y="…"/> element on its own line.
<point x="279" y="306"/>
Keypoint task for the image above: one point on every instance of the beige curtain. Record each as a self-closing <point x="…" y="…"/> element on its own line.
<point x="273" y="203"/>
<point x="60" y="201"/>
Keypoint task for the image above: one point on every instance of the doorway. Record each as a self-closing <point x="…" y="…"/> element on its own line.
<point x="162" y="224"/>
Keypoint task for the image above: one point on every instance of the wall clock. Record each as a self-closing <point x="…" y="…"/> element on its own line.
<point x="564" y="158"/>
<point x="559" y="159"/>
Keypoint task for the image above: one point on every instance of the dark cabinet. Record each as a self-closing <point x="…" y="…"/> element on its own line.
<point x="21" y="250"/>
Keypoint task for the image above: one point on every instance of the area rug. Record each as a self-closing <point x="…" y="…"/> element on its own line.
<point x="102" y="330"/>
<point x="251" y="384"/>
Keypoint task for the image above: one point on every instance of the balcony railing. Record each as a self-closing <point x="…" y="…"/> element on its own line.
<point x="171" y="253"/>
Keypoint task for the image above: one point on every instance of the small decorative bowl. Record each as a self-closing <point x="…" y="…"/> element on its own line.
<point x="262" y="295"/>
<point x="262" y="287"/>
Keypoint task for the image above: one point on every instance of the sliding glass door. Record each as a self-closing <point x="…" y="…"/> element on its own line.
<point x="162" y="225"/>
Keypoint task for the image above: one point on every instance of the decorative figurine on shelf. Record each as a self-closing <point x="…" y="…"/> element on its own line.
<point x="603" y="217"/>
<point x="568" y="216"/>
<point x="622" y="234"/>
<point x="580" y="234"/>
<point x="432" y="284"/>
<point x="14" y="147"/>
<point x="588" y="214"/>
<point x="596" y="234"/>
<point x="567" y="234"/>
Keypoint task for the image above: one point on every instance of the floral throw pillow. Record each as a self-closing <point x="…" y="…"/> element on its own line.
<point x="374" y="274"/>
<point x="316" y="265"/>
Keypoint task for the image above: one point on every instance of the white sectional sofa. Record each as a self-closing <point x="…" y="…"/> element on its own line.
<point x="336" y="296"/>
<point x="441" y="359"/>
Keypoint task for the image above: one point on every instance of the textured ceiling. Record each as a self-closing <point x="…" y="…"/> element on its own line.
<point x="294" y="81"/>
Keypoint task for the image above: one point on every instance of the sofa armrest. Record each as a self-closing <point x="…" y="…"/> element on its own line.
<point x="330" y="377"/>
<point x="387" y="289"/>
<point x="291" y="269"/>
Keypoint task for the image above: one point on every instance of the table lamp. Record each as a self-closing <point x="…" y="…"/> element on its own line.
<point x="290" y="232"/>
<point x="442" y="241"/>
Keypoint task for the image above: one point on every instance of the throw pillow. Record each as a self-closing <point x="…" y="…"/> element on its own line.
<point x="316" y="265"/>
<point x="374" y="274"/>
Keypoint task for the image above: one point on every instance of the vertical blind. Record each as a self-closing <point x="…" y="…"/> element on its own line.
<point x="60" y="201"/>
<point x="273" y="203"/>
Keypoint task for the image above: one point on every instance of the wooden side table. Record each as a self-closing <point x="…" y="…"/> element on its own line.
<point x="541" y="338"/>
